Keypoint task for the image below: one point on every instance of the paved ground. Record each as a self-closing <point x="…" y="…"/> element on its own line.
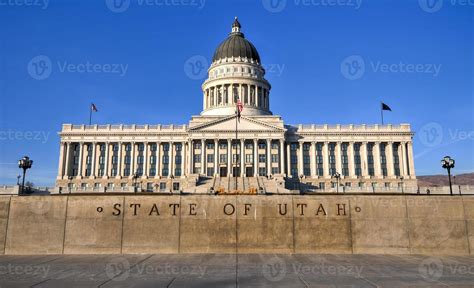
<point x="220" y="270"/>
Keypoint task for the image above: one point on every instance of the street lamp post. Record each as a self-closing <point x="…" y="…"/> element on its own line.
<point x="337" y="176"/>
<point x="24" y="163"/>
<point x="70" y="183"/>
<point x="135" y="178"/>
<point x="401" y="179"/>
<point x="448" y="163"/>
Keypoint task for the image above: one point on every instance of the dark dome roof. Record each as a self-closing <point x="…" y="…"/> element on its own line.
<point x="236" y="45"/>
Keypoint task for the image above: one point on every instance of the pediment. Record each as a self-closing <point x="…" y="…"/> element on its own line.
<point x="246" y="124"/>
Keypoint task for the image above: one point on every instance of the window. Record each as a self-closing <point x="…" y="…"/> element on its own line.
<point x="262" y="171"/>
<point x="175" y="186"/>
<point x="210" y="171"/>
<point x="177" y="159"/>
<point x="223" y="158"/>
<point x="149" y="187"/>
<point x="177" y="172"/>
<point x="306" y="159"/>
<point x="261" y="158"/>
<point x="307" y="171"/>
<point x="141" y="147"/>
<point x="275" y="170"/>
<point x="197" y="158"/>
<point x="162" y="186"/>
<point x="210" y="145"/>
<point x="166" y="159"/>
<point x="248" y="158"/>
<point x="275" y="158"/>
<point x="294" y="159"/>
<point x="210" y="158"/>
<point x="166" y="147"/>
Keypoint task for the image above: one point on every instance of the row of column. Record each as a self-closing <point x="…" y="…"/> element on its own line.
<point x="187" y="165"/>
<point x="404" y="151"/>
<point x="230" y="151"/>
<point x="224" y="95"/>
<point x="68" y="154"/>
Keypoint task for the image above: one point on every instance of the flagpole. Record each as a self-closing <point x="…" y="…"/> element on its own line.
<point x="381" y="111"/>
<point x="90" y="114"/>
<point x="236" y="140"/>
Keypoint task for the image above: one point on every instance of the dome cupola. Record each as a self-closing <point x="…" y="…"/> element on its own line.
<point x="236" y="74"/>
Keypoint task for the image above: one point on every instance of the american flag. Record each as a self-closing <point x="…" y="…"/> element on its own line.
<point x="93" y="108"/>
<point x="240" y="108"/>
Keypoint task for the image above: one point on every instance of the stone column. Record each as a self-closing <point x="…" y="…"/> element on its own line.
<point x="120" y="161"/>
<point x="190" y="157"/>
<point x="106" y="161"/>
<point x="229" y="157"/>
<point x="411" y="163"/>
<point x="281" y="157"/>
<point x="216" y="157"/>
<point x="363" y="159"/>
<point x="203" y="157"/>
<point x="171" y="162"/>
<point x="350" y="158"/>
<point x="146" y="161"/>
<point x="269" y="156"/>
<point x="94" y="160"/>
<point x="255" y="157"/>
<point x="300" y="158"/>
<point x="389" y="156"/>
<point x="68" y="159"/>
<point x="62" y="148"/>
<point x="376" y="153"/>
<point x="158" y="159"/>
<point x="403" y="160"/>
<point x="80" y="160"/>
<point x="312" y="159"/>
<point x="288" y="159"/>
<point x="326" y="159"/>
<point x="338" y="157"/>
<point x="257" y="102"/>
<point x="132" y="162"/>
<point x="242" y="157"/>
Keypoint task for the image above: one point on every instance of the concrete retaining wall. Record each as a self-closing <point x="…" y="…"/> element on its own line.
<point x="237" y="224"/>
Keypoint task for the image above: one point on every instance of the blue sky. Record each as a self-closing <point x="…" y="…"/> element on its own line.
<point x="328" y="62"/>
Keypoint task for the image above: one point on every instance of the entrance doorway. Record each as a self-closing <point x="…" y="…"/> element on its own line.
<point x="249" y="171"/>
<point x="236" y="171"/>
<point x="223" y="171"/>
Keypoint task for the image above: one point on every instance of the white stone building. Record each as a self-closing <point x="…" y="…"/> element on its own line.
<point x="265" y="155"/>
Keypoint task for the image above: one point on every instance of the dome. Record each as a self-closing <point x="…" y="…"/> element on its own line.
<point x="236" y="46"/>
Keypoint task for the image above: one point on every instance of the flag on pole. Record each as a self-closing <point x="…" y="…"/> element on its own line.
<point x="385" y="107"/>
<point x="240" y="108"/>
<point x="93" y="107"/>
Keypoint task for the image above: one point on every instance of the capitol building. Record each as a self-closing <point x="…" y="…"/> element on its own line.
<point x="220" y="152"/>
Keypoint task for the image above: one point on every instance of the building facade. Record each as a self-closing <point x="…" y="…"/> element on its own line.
<point x="217" y="145"/>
